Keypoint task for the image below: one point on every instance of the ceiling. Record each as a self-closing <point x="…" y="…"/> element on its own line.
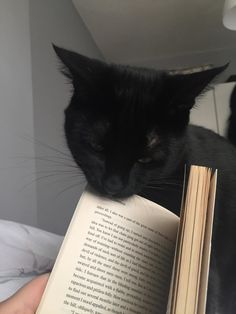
<point x="139" y="30"/>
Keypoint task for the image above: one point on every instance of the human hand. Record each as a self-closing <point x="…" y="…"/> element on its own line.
<point x="25" y="300"/>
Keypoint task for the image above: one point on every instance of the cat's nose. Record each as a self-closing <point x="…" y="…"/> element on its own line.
<point x="113" y="185"/>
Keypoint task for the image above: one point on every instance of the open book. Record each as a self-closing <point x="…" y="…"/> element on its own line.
<point x="134" y="256"/>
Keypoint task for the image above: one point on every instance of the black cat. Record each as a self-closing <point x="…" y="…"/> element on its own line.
<point x="127" y="129"/>
<point x="232" y="119"/>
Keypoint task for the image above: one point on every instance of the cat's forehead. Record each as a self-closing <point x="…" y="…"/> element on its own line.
<point x="129" y="78"/>
<point x="127" y="72"/>
<point x="122" y="130"/>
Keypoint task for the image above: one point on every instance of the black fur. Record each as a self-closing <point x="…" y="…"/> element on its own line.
<point x="232" y="119"/>
<point x="127" y="129"/>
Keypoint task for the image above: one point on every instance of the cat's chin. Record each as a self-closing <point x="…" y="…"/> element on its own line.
<point x="120" y="195"/>
<point x="127" y="192"/>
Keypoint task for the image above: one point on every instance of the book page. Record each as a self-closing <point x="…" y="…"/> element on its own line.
<point x="117" y="257"/>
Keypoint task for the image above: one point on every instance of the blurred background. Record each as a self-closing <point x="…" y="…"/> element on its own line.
<point x="39" y="182"/>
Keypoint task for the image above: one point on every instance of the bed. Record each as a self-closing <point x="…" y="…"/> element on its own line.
<point x="25" y="252"/>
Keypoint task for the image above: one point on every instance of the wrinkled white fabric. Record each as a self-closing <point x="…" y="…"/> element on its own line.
<point x="25" y="252"/>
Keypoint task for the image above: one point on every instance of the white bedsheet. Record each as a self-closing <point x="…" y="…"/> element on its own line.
<point x="25" y="252"/>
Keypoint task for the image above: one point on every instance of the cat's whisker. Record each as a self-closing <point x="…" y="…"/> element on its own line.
<point x="157" y="188"/>
<point x="54" y="162"/>
<point x="48" y="158"/>
<point x="70" y="187"/>
<point x="165" y="183"/>
<point x="57" y="172"/>
<point x="163" y="179"/>
<point x="52" y="157"/>
<point x="44" y="177"/>
<point x="45" y="145"/>
<point x="35" y="180"/>
<point x="65" y="180"/>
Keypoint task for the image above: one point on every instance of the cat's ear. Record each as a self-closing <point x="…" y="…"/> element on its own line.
<point x="80" y="68"/>
<point x="183" y="89"/>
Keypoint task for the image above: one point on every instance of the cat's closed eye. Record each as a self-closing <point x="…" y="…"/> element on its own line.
<point x="96" y="147"/>
<point x="153" y="140"/>
<point x="145" y="160"/>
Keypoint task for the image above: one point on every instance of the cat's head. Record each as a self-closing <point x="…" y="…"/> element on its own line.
<point x="124" y="124"/>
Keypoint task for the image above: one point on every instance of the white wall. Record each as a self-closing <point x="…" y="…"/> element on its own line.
<point x="128" y="30"/>
<point x="17" y="177"/>
<point x="54" y="21"/>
